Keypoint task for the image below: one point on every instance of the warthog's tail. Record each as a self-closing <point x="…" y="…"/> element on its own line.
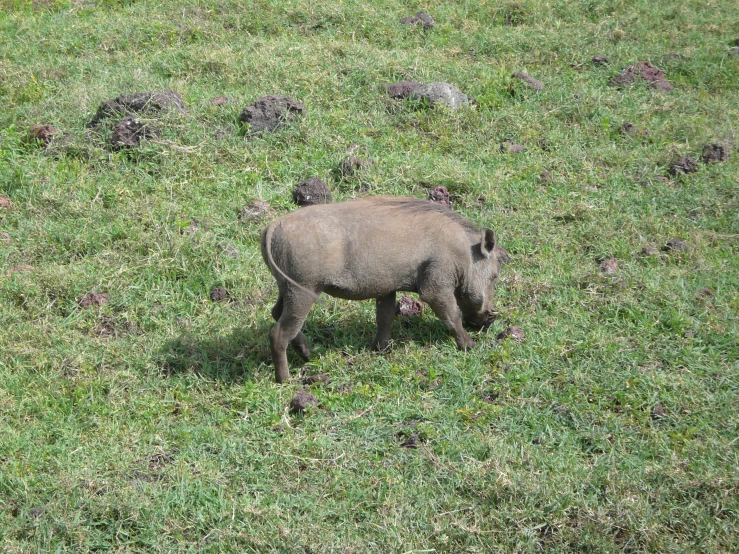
<point x="267" y="238"/>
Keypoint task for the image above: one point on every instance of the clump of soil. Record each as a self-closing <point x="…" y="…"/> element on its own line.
<point x="528" y="81"/>
<point x="408" y="307"/>
<point x="352" y="165"/>
<point x="402" y="89"/>
<point x="412" y="440"/>
<point x="421" y="18"/>
<point x="609" y="265"/>
<point x="5" y="237"/>
<point x="219" y="294"/>
<point x="546" y="177"/>
<point x="600" y="60"/>
<point x="93" y="299"/>
<point x="704" y="294"/>
<point x="675" y="245"/>
<point x="270" y="113"/>
<point x="160" y="460"/>
<point x="36" y="512"/>
<point x="515" y="332"/>
<point x="657" y="412"/>
<point x="129" y="132"/>
<point x="301" y="401"/>
<point x="41" y="135"/>
<point x="642" y="70"/>
<point x="131" y="105"/>
<point x="445" y="94"/>
<point x="257" y="210"/>
<point x="683" y="166"/>
<point x="503" y="256"/>
<point x="5" y="202"/>
<point x="22" y="267"/>
<point x="220" y="100"/>
<point x="715" y="152"/>
<point x="629" y="129"/>
<point x="312" y="191"/>
<point x="316" y="378"/>
<point x="649" y="250"/>
<point x="228" y="249"/>
<point x="440" y="195"/>
<point x="510" y="147"/>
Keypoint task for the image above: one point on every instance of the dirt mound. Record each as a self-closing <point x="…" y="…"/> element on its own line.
<point x="675" y="245"/>
<point x="420" y="18"/>
<point x="408" y="307"/>
<point x="546" y="177"/>
<point x="41" y="135"/>
<point x="131" y="105"/>
<point x="257" y="210"/>
<point x="600" y="60"/>
<point x="219" y="294"/>
<point x="715" y="152"/>
<point x="402" y="89"/>
<point x="352" y="165"/>
<point x="312" y="191"/>
<point x="503" y="256"/>
<point x="129" y="132"/>
<point x="515" y="332"/>
<point x="316" y="378"/>
<point x="301" y="401"/>
<point x="93" y="299"/>
<point x="683" y="166"/>
<point x="510" y="147"/>
<point x="609" y="265"/>
<point x="435" y="94"/>
<point x="629" y="129"/>
<point x="5" y="237"/>
<point x="220" y="100"/>
<point x="528" y="81"/>
<point x="270" y="113"/>
<point x="440" y="195"/>
<point x="642" y="70"/>
<point x="5" y="202"/>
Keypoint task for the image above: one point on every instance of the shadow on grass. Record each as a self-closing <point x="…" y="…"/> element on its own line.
<point x="244" y="355"/>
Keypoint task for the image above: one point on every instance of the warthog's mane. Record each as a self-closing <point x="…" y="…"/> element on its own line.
<point x="414" y="206"/>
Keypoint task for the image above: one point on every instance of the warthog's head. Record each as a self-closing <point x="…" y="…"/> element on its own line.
<point x="475" y="297"/>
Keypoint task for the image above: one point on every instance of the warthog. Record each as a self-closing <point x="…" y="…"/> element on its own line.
<point x="371" y="248"/>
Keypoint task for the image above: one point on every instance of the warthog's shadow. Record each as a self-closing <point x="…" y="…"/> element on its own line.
<point x="244" y="355"/>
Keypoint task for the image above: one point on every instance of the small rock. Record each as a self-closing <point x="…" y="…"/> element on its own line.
<point x="642" y="70"/>
<point x="41" y="134"/>
<point x="630" y="129"/>
<point x="219" y="294"/>
<point x="93" y="299"/>
<point x="609" y="265"/>
<point x="270" y="113"/>
<point x="22" y="267"/>
<point x="128" y="133"/>
<point x="402" y="89"/>
<point x="649" y="251"/>
<point x="316" y="378"/>
<point x="421" y="18"/>
<point x="256" y="211"/>
<point x="529" y="81"/>
<point x="220" y="100"/>
<point x="683" y="166"/>
<point x="408" y="307"/>
<point x="440" y="195"/>
<point x="440" y="93"/>
<point x="657" y="412"/>
<point x="131" y="105"/>
<point x="600" y="60"/>
<point x="5" y="202"/>
<point x="715" y="152"/>
<point x="515" y="332"/>
<point x="351" y="166"/>
<point x="510" y="147"/>
<point x="312" y="191"/>
<point x="228" y="249"/>
<point x="675" y="245"/>
<point x="5" y="237"/>
<point x="301" y="401"/>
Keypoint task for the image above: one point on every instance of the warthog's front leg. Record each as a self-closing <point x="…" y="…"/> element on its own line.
<point x="445" y="307"/>
<point x="385" y="313"/>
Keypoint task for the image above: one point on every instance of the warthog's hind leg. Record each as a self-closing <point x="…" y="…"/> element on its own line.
<point x="295" y="308"/>
<point x="299" y="343"/>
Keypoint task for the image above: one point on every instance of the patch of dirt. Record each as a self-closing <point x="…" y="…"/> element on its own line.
<point x="420" y="18"/>
<point x="715" y="152"/>
<point x="131" y="105"/>
<point x="528" y="81"/>
<point x="352" y="165"/>
<point x="408" y="307"/>
<point x="402" y="89"/>
<point x="683" y="166"/>
<point x="510" y="147"/>
<point x="271" y="113"/>
<point x="600" y="60"/>
<point x="609" y="265"/>
<point x="256" y="211"/>
<point x="657" y="412"/>
<point x="5" y="237"/>
<point x="411" y="440"/>
<point x="219" y="294"/>
<point x="490" y="397"/>
<point x="675" y="245"/>
<point x="228" y="250"/>
<point x="440" y="195"/>
<point x="129" y="132"/>
<point x="312" y="191"/>
<point x="515" y="332"/>
<point x="629" y="129"/>
<point x="5" y="202"/>
<point x="220" y="100"/>
<point x="36" y="512"/>
<point x="93" y="299"/>
<point x="316" y="378"/>
<point x="445" y="94"/>
<point x="503" y="256"/>
<point x="649" y="251"/>
<point x="160" y="460"/>
<point x="301" y="401"/>
<point x="642" y="70"/>
<point x="41" y="135"/>
<point x="704" y="294"/>
<point x="546" y="177"/>
<point x="21" y="268"/>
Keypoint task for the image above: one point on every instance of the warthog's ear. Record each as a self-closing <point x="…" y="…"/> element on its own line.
<point x="487" y="242"/>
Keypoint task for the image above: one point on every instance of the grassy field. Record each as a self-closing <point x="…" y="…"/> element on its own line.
<point x="152" y="423"/>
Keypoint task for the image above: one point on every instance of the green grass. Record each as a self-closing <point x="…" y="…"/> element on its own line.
<point x="153" y="423"/>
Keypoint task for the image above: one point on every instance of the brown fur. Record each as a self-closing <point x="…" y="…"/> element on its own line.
<point x="371" y="248"/>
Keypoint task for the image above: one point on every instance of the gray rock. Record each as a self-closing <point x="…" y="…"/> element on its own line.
<point x="440" y="93"/>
